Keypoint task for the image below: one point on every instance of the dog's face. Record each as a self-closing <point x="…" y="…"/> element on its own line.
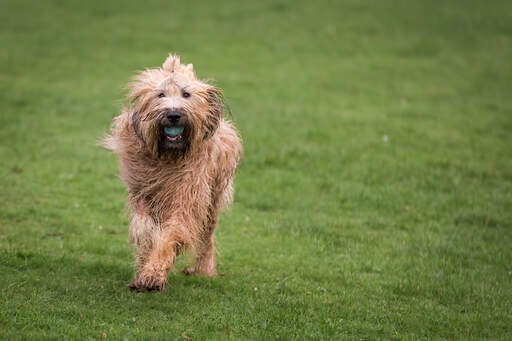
<point x="172" y="108"/>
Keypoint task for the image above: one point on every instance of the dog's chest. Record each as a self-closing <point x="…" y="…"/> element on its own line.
<point x="189" y="188"/>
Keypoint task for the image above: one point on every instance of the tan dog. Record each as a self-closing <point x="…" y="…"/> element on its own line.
<point x="178" y="157"/>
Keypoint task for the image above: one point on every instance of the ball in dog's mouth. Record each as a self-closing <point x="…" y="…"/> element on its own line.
<point x="174" y="133"/>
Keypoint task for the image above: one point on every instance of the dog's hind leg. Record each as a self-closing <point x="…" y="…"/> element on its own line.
<point x="205" y="253"/>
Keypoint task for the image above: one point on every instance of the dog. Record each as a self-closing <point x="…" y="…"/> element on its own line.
<point x="177" y="157"/>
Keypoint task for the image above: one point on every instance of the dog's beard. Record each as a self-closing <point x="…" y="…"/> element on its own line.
<point x="163" y="138"/>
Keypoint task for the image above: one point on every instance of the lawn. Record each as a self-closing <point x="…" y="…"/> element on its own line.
<point x="374" y="200"/>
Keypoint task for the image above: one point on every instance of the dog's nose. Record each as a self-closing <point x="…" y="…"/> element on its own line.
<point x="173" y="116"/>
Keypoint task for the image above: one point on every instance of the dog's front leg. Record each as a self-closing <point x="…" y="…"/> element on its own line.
<point x="142" y="231"/>
<point x="152" y="275"/>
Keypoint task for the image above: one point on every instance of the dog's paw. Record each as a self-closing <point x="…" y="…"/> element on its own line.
<point x="149" y="282"/>
<point x="140" y="286"/>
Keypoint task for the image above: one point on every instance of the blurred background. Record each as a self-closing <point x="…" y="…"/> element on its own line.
<point x="374" y="199"/>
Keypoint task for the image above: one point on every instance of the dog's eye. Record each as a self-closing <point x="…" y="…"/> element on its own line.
<point x="186" y="94"/>
<point x="161" y="95"/>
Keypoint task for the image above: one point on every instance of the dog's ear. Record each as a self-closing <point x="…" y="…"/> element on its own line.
<point x="135" y="119"/>
<point x="215" y="110"/>
<point x="188" y="70"/>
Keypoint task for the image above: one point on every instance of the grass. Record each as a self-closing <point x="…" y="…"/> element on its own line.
<point x="374" y="200"/>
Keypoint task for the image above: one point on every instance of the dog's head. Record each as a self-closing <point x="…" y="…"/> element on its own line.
<point x="172" y="109"/>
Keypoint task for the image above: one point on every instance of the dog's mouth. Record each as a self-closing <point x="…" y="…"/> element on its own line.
<point x="174" y="131"/>
<point x="174" y="137"/>
<point x="174" y="134"/>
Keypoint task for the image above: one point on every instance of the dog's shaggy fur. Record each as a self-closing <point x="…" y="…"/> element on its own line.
<point x="178" y="157"/>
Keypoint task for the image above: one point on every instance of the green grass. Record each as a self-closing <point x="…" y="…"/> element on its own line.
<point x="374" y="200"/>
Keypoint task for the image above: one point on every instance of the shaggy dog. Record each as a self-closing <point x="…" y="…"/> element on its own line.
<point x="178" y="157"/>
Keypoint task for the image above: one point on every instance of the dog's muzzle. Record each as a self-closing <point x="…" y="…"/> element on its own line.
<point x="174" y="126"/>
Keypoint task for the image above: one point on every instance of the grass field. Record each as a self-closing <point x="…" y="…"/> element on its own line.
<point x="374" y="200"/>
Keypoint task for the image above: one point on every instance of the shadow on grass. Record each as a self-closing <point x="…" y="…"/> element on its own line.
<point x="77" y="277"/>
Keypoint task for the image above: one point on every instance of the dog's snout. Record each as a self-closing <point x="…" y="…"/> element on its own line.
<point x="173" y="116"/>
